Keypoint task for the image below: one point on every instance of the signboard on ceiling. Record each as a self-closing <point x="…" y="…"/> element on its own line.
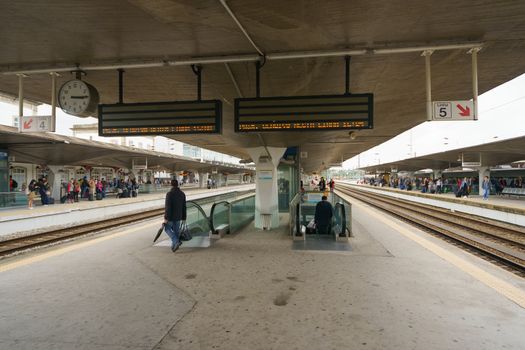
<point x="41" y="123"/>
<point x="453" y="110"/>
<point x="470" y="160"/>
<point x="160" y="118"/>
<point x="300" y="113"/>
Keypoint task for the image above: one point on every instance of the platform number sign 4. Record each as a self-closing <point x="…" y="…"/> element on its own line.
<point x="37" y="123"/>
<point x="453" y="110"/>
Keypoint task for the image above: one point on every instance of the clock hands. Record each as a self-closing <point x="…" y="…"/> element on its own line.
<point x="80" y="97"/>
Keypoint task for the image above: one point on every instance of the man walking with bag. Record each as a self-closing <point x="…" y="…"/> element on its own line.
<point x="174" y="213"/>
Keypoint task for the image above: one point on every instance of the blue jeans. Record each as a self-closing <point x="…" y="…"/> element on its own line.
<point x="172" y="229"/>
<point x="485" y="194"/>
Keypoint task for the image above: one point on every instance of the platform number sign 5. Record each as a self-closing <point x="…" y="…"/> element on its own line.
<point x="453" y="110"/>
<point x="443" y="110"/>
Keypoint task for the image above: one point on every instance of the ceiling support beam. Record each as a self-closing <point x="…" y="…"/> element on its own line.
<point x="239" y="58"/>
<point x="232" y="15"/>
<point x="234" y="81"/>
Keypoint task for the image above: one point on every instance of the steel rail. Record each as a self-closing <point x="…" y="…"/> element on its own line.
<point x="509" y="252"/>
<point x="10" y="246"/>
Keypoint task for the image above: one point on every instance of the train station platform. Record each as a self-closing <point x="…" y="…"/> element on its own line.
<point x="502" y="208"/>
<point x="396" y="288"/>
<point x="23" y="221"/>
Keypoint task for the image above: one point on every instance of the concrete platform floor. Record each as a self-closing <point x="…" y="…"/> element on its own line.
<point x="252" y="291"/>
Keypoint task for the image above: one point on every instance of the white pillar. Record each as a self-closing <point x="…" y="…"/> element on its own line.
<point x="54" y="181"/>
<point x="266" y="195"/>
<point x="203" y="179"/>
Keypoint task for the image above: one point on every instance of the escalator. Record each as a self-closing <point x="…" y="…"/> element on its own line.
<point x="307" y="237"/>
<point x="208" y="218"/>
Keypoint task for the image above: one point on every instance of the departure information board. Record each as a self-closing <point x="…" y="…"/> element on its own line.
<point x="160" y="118"/>
<point x="300" y="113"/>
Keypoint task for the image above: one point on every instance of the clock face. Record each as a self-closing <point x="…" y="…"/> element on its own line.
<point x="74" y="97"/>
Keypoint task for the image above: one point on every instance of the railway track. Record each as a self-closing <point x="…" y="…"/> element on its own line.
<point x="497" y="241"/>
<point x="14" y="245"/>
<point x="10" y="246"/>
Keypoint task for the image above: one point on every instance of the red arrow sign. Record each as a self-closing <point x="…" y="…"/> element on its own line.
<point x="27" y="125"/>
<point x="464" y="112"/>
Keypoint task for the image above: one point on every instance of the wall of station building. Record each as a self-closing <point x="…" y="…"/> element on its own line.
<point x="23" y="173"/>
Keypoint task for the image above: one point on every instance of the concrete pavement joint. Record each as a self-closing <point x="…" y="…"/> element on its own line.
<point x="156" y="346"/>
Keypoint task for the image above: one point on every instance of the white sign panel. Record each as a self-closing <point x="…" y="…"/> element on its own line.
<point x="37" y="123"/>
<point x="453" y="110"/>
<point x="265" y="174"/>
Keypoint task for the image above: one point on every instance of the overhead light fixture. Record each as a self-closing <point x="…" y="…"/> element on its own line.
<point x="352" y="135"/>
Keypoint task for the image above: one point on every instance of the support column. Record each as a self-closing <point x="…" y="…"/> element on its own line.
<point x="203" y="179"/>
<point x="428" y="83"/>
<point x="482" y="172"/>
<point x="266" y="191"/>
<point x="437" y="173"/>
<point x="54" y="180"/>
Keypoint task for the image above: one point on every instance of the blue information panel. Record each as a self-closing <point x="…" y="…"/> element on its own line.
<point x="160" y="118"/>
<point x="301" y="113"/>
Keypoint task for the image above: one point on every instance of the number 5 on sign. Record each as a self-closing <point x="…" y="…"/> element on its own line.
<point x="442" y="110"/>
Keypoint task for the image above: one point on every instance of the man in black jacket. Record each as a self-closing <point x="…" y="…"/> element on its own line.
<point x="323" y="216"/>
<point x="174" y="213"/>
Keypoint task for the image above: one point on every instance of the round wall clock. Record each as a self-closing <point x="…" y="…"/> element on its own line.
<point x="78" y="98"/>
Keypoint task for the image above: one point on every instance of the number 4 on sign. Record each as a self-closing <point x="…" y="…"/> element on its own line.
<point x="42" y="125"/>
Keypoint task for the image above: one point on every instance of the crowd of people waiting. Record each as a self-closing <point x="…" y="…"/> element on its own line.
<point x="462" y="187"/>
<point x="74" y="190"/>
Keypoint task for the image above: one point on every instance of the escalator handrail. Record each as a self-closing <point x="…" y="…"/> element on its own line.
<point x="196" y="205"/>
<point x="298" y="231"/>
<point x="343" y="218"/>
<point x="213" y="209"/>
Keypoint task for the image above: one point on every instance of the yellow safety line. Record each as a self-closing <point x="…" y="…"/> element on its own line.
<point x="60" y="251"/>
<point x="513" y="293"/>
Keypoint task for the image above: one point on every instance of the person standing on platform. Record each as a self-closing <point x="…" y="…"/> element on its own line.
<point x="322" y="185"/>
<point x="76" y="190"/>
<point x="92" y="189"/>
<point x="30" y="190"/>
<point x="486" y="188"/>
<point x="323" y="216"/>
<point x="12" y="184"/>
<point x="174" y="214"/>
<point x="69" y="189"/>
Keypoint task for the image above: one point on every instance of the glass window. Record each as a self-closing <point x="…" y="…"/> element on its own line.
<point x="19" y="175"/>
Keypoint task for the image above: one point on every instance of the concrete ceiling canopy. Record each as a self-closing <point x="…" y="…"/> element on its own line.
<point x="164" y="36"/>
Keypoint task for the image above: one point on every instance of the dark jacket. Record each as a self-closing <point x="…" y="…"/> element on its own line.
<point x="175" y="205"/>
<point x="323" y="213"/>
